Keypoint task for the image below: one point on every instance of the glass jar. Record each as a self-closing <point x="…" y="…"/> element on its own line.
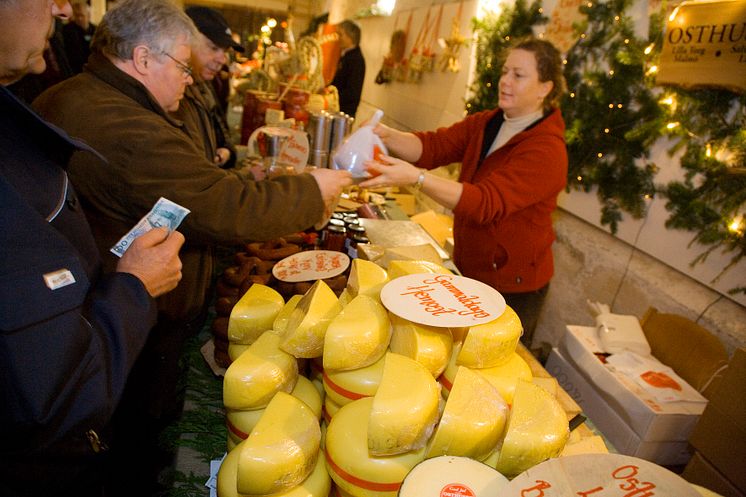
<point x="335" y="237"/>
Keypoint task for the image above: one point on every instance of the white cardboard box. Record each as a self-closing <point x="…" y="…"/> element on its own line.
<point x="651" y="420"/>
<point x="605" y="417"/>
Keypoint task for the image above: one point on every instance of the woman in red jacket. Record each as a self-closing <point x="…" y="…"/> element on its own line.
<point x="513" y="166"/>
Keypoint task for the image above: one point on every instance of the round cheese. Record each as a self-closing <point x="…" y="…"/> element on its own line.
<point x="330" y="409"/>
<point x="428" y="345"/>
<point x="254" y="314"/>
<point x="343" y="387"/>
<point x="306" y="326"/>
<point x="358" y="336"/>
<point x="450" y="476"/>
<point x="473" y="419"/>
<point x="352" y="467"/>
<point x="491" y="344"/>
<point x="366" y="278"/>
<point x="281" y="321"/>
<point x="236" y="349"/>
<point x="256" y="375"/>
<point x="403" y="268"/>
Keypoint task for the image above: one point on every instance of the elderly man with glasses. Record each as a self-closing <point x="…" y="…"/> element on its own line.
<point x="121" y="103"/>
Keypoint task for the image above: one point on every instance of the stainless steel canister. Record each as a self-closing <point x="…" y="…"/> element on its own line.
<point x="319" y="131"/>
<point x="340" y="129"/>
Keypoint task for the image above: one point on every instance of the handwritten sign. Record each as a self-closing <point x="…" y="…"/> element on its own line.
<point x="311" y="265"/>
<point x="294" y="148"/>
<point x="443" y="300"/>
<point x="598" y="475"/>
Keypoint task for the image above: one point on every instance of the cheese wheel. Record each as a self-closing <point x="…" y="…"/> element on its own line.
<point x="254" y="314"/>
<point x="405" y="407"/>
<point x="318" y="483"/>
<point x="345" y="386"/>
<point x="330" y="409"/>
<point x="352" y="467"/>
<point x="306" y="326"/>
<point x="428" y="345"/>
<point x="450" y="476"/>
<point x="590" y="445"/>
<point x="403" y="268"/>
<point x="344" y="297"/>
<point x="423" y="252"/>
<point x="236" y="349"/>
<point x="281" y="321"/>
<point x="491" y="344"/>
<point x="503" y="377"/>
<point x="537" y="430"/>
<point x="358" y="336"/>
<point x="473" y="419"/>
<point x="253" y="379"/>
<point x="366" y="278"/>
<point x="281" y="450"/>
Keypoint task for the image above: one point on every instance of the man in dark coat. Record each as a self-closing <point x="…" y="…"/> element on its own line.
<point x="69" y="334"/>
<point x="350" y="73"/>
<point x="77" y="35"/>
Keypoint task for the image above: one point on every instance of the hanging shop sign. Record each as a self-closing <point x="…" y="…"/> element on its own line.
<point x="705" y="45"/>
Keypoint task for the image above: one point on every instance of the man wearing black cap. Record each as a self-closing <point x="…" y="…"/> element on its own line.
<point x="200" y="109"/>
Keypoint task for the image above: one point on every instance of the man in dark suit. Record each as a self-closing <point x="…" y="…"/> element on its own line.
<point x="78" y="34"/>
<point x="351" y="68"/>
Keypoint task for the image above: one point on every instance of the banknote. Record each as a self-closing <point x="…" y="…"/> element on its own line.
<point x="164" y="213"/>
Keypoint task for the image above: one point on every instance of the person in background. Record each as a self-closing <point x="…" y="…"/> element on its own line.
<point x="78" y="34"/>
<point x="121" y="104"/>
<point x="514" y="164"/>
<point x="350" y="73"/>
<point x="200" y="109"/>
<point x="69" y="333"/>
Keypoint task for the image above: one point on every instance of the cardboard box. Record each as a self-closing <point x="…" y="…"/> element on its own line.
<point x="720" y="434"/>
<point x="607" y="420"/>
<point x="701" y="472"/>
<point x="651" y="420"/>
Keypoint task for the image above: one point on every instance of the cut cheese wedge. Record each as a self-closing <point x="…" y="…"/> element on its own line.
<point x="280" y="324"/>
<point x="403" y="268"/>
<point x="428" y="345"/>
<point x="591" y="445"/>
<point x="281" y="450"/>
<point x="306" y="326"/>
<point x="473" y="419"/>
<point x="345" y="386"/>
<point x="358" y="336"/>
<point x="344" y="297"/>
<point x="318" y="483"/>
<point x="423" y="252"/>
<point x="452" y="476"/>
<point x="537" y="430"/>
<point x="258" y="374"/>
<point x="366" y="278"/>
<point x="491" y="344"/>
<point x="350" y="464"/>
<point x="405" y="407"/>
<point x="254" y="314"/>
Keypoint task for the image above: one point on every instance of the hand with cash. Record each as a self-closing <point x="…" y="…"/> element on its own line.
<point x="150" y="250"/>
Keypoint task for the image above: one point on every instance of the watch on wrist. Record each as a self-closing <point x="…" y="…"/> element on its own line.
<point x="417" y="185"/>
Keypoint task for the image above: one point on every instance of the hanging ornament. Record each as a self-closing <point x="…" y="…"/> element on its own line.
<point x="396" y="53"/>
<point x="453" y="45"/>
<point x="428" y="52"/>
<point x="416" y="57"/>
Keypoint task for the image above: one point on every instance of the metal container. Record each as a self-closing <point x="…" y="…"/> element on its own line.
<point x="318" y="158"/>
<point x="319" y="131"/>
<point x="340" y="130"/>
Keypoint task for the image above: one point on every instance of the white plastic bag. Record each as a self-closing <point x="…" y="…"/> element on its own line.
<point x="361" y="146"/>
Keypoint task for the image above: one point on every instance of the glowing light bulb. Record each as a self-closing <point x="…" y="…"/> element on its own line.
<point x="611" y="106"/>
<point x="589" y="5"/>
<point x="572" y="94"/>
<point x="606" y="130"/>
<point x="668" y="100"/>
<point x="265" y="29"/>
<point x="736" y="225"/>
<point x="582" y="36"/>
<point x="616" y="18"/>
<point x="652" y="70"/>
<point x="708" y="150"/>
<point x="489" y="85"/>
<point x="649" y="49"/>
<point x="626" y="41"/>
<point x="541" y="10"/>
<point x="599" y="155"/>
<point x="271" y="22"/>
<point x="672" y="125"/>
<point x="619" y="105"/>
<point x="564" y="62"/>
<point x="579" y="178"/>
<point x="611" y="73"/>
<point x="648" y="196"/>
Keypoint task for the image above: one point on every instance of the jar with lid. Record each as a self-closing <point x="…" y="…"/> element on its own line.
<point x="334" y="237"/>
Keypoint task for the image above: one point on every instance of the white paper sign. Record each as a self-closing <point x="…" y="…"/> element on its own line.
<point x="444" y="300"/>
<point x="311" y="265"/>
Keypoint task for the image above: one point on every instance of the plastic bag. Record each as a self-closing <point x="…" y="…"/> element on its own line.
<point x="361" y="146"/>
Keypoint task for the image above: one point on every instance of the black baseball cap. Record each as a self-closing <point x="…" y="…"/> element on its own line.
<point x="212" y="24"/>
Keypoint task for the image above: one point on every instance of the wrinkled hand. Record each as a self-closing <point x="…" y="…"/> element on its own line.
<point x="389" y="171"/>
<point x="331" y="183"/>
<point x="221" y="156"/>
<point x="154" y="259"/>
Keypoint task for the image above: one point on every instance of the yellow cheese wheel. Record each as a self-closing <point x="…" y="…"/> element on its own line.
<point x="282" y="448"/>
<point x="306" y="326"/>
<point x="358" y="336"/>
<point x="428" y="345"/>
<point x="236" y="349"/>
<point x="590" y="445"/>
<point x="449" y="476"/>
<point x="254" y="314"/>
<point x="537" y="430"/>
<point x="473" y="419"/>
<point x="352" y="467"/>
<point x="318" y="483"/>
<point x="330" y="409"/>
<point x="491" y="344"/>
<point x="503" y="377"/>
<point x="366" y="278"/>
<point x="344" y="297"/>
<point x="403" y="268"/>
<point x="253" y="379"/>
<point x="405" y="407"/>
<point x="343" y="387"/>
<point x="281" y="321"/>
<point x="422" y="252"/>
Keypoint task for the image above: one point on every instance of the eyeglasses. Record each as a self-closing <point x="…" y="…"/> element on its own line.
<point x="186" y="69"/>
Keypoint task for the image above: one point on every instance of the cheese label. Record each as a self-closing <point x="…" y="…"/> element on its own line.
<point x="443" y="300"/>
<point x="457" y="490"/>
<point x="311" y="265"/>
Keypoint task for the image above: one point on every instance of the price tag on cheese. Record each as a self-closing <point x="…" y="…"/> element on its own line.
<point x="598" y="475"/>
<point x="443" y="300"/>
<point x="311" y="265"/>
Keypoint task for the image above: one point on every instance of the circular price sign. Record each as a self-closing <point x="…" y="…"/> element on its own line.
<point x="443" y="300"/>
<point x="311" y="265"/>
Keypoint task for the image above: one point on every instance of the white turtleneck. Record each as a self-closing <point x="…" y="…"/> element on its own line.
<point x="513" y="126"/>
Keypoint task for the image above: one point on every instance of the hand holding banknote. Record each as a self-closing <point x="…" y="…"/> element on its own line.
<point x="164" y="213"/>
<point x="153" y="258"/>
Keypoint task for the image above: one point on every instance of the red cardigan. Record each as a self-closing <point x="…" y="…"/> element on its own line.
<point x="502" y="224"/>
